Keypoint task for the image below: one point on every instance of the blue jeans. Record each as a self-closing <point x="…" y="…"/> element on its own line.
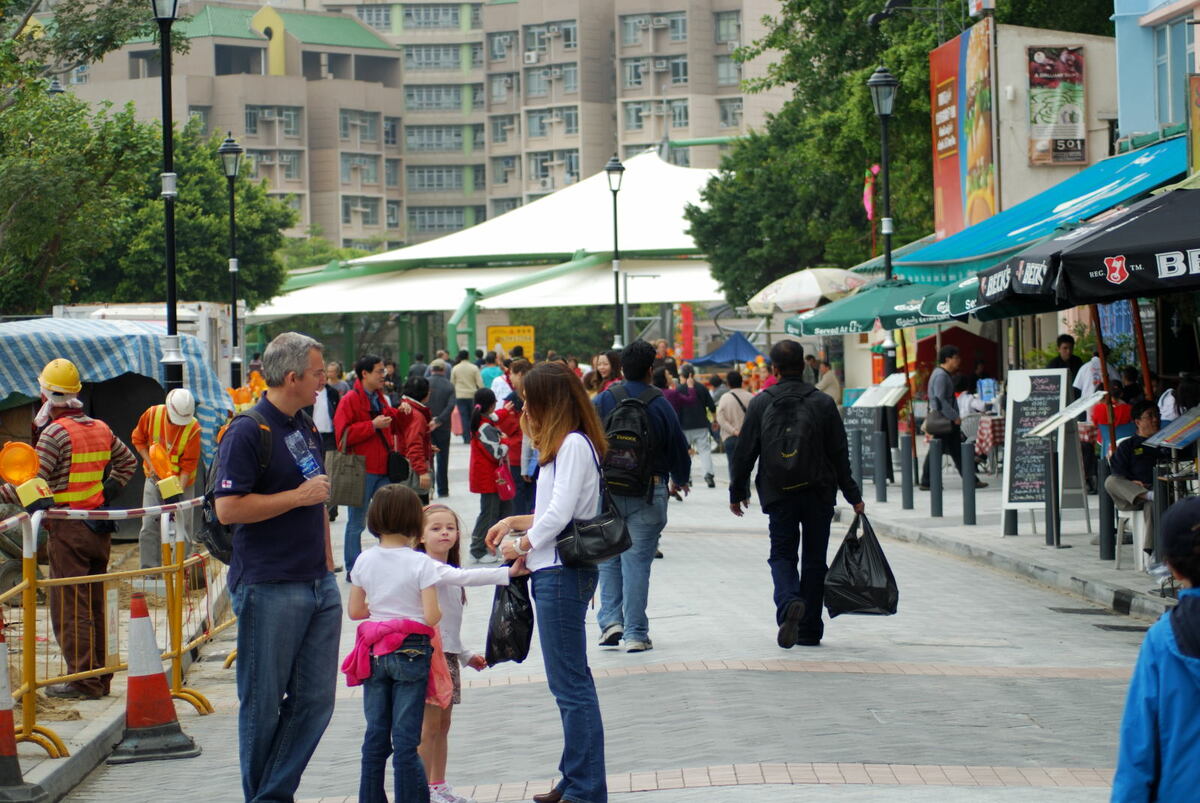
<point x="625" y="579"/>
<point x="357" y="519"/>
<point x="731" y="444"/>
<point x="465" y="406"/>
<point x="522" y="503"/>
<point x="440" y="438"/>
<point x="799" y="528"/>
<point x="286" y="677"/>
<point x="394" y="704"/>
<point x="560" y="598"/>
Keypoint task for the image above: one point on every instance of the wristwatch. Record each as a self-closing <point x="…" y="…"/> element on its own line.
<point x="517" y="546"/>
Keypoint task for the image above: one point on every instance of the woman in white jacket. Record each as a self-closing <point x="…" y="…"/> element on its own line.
<point x="569" y="438"/>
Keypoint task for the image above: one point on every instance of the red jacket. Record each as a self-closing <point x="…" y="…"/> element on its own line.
<point x="509" y="422"/>
<point x="416" y="443"/>
<point x="354" y="417"/>
<point x="481" y="475"/>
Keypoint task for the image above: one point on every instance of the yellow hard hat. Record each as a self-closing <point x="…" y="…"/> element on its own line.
<point x="60" y="376"/>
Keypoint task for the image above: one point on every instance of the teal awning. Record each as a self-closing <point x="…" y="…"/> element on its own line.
<point x="1085" y="194"/>
<point x="895" y="303"/>
<point x="874" y="266"/>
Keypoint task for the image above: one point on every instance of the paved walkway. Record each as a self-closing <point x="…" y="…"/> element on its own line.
<point x="988" y="686"/>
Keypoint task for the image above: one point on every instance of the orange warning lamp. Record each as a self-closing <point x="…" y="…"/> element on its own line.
<point x="168" y="484"/>
<point x="759" y="360"/>
<point x="19" y="466"/>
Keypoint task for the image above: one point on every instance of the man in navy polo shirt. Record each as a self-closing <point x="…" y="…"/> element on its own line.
<point x="286" y="600"/>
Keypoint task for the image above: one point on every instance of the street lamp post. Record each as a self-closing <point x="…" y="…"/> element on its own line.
<point x="883" y="94"/>
<point x="231" y="161"/>
<point x="616" y="172"/>
<point x="165" y="14"/>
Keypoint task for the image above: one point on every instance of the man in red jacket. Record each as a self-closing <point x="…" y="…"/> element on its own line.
<point x="417" y="443"/>
<point x="366" y="424"/>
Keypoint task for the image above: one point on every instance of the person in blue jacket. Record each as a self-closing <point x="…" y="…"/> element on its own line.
<point x="1160" y="730"/>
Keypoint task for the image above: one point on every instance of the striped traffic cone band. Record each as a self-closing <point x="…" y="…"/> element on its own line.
<point x="12" y="783"/>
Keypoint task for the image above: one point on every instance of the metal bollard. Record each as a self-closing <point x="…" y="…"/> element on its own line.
<point x="881" y="456"/>
<point x="1108" y="528"/>
<point x="1053" y="522"/>
<point x="856" y="456"/>
<point x="1010" y="522"/>
<point x="935" y="478"/>
<point x="968" y="481"/>
<point x="906" y="472"/>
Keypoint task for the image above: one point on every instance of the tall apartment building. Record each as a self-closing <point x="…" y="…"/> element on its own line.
<point x="399" y="122"/>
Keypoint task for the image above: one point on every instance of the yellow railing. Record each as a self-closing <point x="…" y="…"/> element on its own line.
<point x="193" y="604"/>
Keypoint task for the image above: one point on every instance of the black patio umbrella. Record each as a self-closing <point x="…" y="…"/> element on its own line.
<point x="1152" y="249"/>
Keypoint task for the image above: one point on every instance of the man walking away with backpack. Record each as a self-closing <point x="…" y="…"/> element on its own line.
<point x="646" y="453"/>
<point x="797" y="438"/>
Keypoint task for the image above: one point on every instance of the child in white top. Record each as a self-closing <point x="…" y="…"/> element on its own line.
<point x="440" y="541"/>
<point x="394" y="587"/>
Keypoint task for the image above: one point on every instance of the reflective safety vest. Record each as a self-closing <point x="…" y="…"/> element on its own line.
<point x="91" y="450"/>
<point x="174" y="450"/>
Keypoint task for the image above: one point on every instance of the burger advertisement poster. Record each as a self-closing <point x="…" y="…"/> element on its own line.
<point x="962" y="103"/>
<point x="1057" y="121"/>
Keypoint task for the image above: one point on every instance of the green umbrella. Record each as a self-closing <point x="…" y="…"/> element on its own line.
<point x="955" y="299"/>
<point x="894" y="303"/>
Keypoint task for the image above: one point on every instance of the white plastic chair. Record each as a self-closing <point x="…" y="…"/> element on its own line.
<point x="1135" y="521"/>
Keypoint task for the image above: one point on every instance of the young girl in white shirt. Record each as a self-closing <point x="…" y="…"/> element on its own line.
<point x="440" y="542"/>
<point x="393" y="589"/>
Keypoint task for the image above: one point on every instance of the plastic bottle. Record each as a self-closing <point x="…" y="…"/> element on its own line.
<point x="303" y="456"/>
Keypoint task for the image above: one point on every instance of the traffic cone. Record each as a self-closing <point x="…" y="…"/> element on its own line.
<point x="152" y="730"/>
<point x="12" y="784"/>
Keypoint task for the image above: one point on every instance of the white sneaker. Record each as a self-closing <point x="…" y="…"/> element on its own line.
<point x="445" y="794"/>
<point x="611" y="636"/>
<point x="638" y="646"/>
<point x="488" y="558"/>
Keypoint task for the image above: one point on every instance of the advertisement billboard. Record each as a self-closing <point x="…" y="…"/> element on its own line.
<point x="1193" y="123"/>
<point x="962" y="93"/>
<point x="505" y="337"/>
<point x="1057" y="117"/>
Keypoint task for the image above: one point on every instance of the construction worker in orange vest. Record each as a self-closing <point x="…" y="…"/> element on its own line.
<point x="85" y="465"/>
<point x="173" y="425"/>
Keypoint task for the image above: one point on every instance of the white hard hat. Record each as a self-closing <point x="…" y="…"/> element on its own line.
<point x="181" y="406"/>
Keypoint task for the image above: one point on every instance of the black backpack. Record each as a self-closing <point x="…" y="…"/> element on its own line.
<point x="790" y="457"/>
<point x="216" y="537"/>
<point x="627" y="467"/>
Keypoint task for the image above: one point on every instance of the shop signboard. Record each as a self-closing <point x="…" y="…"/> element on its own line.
<point x="962" y="93"/>
<point x="1193" y="107"/>
<point x="1057" y="117"/>
<point x="977" y="7"/>
<point x="505" y="337"/>
<point x="1032" y="398"/>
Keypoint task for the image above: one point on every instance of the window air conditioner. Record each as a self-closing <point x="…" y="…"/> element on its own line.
<point x="504" y="39"/>
<point x="265" y="159"/>
<point x="660" y="65"/>
<point x="547" y="183"/>
<point x="733" y="45"/>
<point x="546" y="74"/>
<point x="553" y="30"/>
<point x="266" y="114"/>
<point x="556" y="72"/>
<point x="531" y="57"/>
<point x="506" y="81"/>
<point x="643" y="25"/>
<point x="660" y="22"/>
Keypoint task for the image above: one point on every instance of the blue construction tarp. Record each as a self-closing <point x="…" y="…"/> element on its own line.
<point x="104" y="350"/>
<point x="735" y="349"/>
<point x="1085" y="194"/>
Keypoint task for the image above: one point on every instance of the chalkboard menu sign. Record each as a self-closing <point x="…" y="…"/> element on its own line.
<point x="866" y="421"/>
<point x="1033" y="396"/>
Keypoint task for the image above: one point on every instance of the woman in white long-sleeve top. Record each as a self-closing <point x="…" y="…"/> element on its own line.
<point x="569" y="437"/>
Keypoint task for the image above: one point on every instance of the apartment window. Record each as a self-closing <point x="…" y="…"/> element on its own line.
<point x="500" y="86"/>
<point x="436" y="218"/>
<point x="367" y="124"/>
<point x="679" y="70"/>
<point x="290" y="160"/>
<point x="502" y="166"/>
<point x="537" y="82"/>
<point x="535" y="37"/>
<point x="728" y="26"/>
<point x="501" y="126"/>
<point x="369" y="208"/>
<point x="679" y="113"/>
<point x="431" y="57"/>
<point x="252" y="120"/>
<point x="432" y="97"/>
<point x="258" y="159"/>
<point x="499" y="44"/>
<point x="570" y="118"/>
<point x="431" y="16"/>
<point x="378" y="17"/>
<point x="570" y="77"/>
<point x="366" y="164"/>
<point x="729" y="112"/>
<point x="502" y="205"/>
<point x="79" y="75"/>
<point x="477" y="15"/>
<point x="634" y="150"/>
<point x="422" y="178"/>
<point x="393" y="214"/>
<point x="677" y="25"/>
<point x="477" y="55"/>
<point x="347" y="205"/>
<point x="476" y="96"/>
<point x="537" y="122"/>
<point x="391" y="172"/>
<point x="681" y="157"/>
<point x="203" y="114"/>
<point x="570" y="34"/>
<point x="729" y="72"/>
<point x="633" y="72"/>
<point x="570" y="160"/>
<point x="433" y="138"/>
<point x="391" y="130"/>
<point x="479" y="176"/>
<point x="290" y="116"/>
<point x="477" y="139"/>
<point x="1174" y="44"/>
<point x="634" y="112"/>
<point x="539" y="164"/>
<point x="291" y="200"/>
<point x="632" y="26"/>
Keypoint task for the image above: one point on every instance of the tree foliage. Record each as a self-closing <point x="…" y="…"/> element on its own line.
<point x="790" y="196"/>
<point x="313" y="250"/>
<point x="581" y="331"/>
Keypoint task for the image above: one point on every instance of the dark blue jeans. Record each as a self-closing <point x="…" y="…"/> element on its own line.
<point x="560" y="598"/>
<point x="799" y="528"/>
<point x="522" y="503"/>
<point x="286" y="677"/>
<point x="440" y="438"/>
<point x="394" y="704"/>
<point x="465" y="406"/>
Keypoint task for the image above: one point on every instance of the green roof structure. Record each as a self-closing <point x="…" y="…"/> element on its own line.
<point x="329" y="30"/>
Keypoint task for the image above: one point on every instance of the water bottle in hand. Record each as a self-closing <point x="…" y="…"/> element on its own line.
<point x="303" y="456"/>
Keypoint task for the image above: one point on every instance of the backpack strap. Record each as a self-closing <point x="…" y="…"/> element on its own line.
<point x="264" y="436"/>
<point x="619" y="392"/>
<point x="648" y="395"/>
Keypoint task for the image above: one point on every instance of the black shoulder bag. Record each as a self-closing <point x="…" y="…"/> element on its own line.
<point x="586" y="542"/>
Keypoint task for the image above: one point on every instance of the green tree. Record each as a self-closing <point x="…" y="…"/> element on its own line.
<point x="790" y="196"/>
<point x="581" y="331"/>
<point x="314" y="250"/>
<point x="133" y="270"/>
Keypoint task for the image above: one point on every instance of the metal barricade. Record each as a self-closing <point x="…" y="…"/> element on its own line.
<point x="193" y="603"/>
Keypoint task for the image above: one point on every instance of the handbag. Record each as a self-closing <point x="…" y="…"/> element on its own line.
<point x="936" y="424"/>
<point x="505" y="488"/>
<point x="347" y="475"/>
<point x="397" y="464"/>
<point x="585" y="542"/>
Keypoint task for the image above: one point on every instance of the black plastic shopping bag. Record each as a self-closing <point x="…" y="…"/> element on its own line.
<point x="859" y="579"/>
<point x="510" y="630"/>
